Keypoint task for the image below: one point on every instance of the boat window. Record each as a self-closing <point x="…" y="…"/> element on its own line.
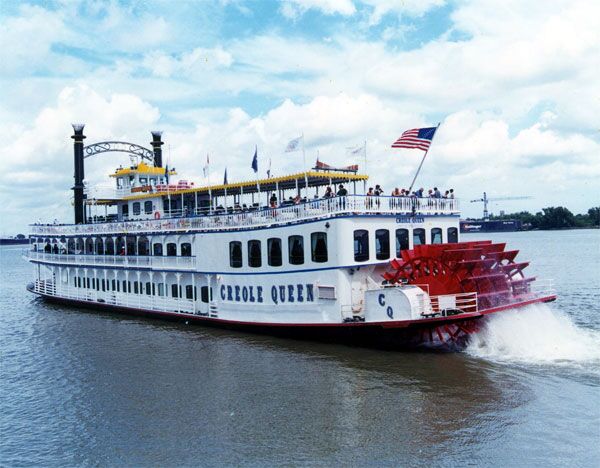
<point x="148" y="288"/>
<point x="189" y="292"/>
<point x="157" y="249"/>
<point x="274" y="251"/>
<point x="382" y="244"/>
<point x="110" y="247"/>
<point x="161" y="289"/>
<point x="186" y="249"/>
<point x="99" y="247"/>
<point x="452" y="235"/>
<point x="143" y="180"/>
<point x="401" y="241"/>
<point x="103" y="285"/>
<point x="143" y="246"/>
<point x="174" y="292"/>
<point x="136" y="208"/>
<point x="148" y="207"/>
<point x="296" y="250"/>
<point x="205" y="294"/>
<point x="235" y="254"/>
<point x="418" y="236"/>
<point x="119" y="182"/>
<point x="125" y="209"/>
<point x="254" y="254"/>
<point x="318" y="247"/>
<point x="436" y="236"/>
<point x="135" y="287"/>
<point x="171" y="249"/>
<point x="361" y="245"/>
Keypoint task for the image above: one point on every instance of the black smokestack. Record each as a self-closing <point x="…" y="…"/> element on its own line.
<point x="79" y="175"/>
<point x="156" y="146"/>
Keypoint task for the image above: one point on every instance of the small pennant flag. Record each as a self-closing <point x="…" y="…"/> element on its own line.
<point x="225" y="177"/>
<point x="354" y="150"/>
<point x="419" y="138"/>
<point x="205" y="168"/>
<point x="293" y="145"/>
<point x="255" y="160"/>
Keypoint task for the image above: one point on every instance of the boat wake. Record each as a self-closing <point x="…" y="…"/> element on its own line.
<point x="537" y="334"/>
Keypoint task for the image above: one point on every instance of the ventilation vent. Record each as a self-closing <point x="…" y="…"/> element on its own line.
<point x="326" y="292"/>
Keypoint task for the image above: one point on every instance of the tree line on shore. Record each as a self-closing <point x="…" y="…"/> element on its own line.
<point x="552" y="217"/>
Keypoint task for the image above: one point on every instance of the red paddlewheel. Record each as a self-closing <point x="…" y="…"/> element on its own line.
<point x="480" y="267"/>
<point x="448" y="335"/>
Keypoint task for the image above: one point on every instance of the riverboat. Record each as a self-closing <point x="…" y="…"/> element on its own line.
<point x="378" y="271"/>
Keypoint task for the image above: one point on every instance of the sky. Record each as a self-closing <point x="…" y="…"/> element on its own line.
<point x="514" y="84"/>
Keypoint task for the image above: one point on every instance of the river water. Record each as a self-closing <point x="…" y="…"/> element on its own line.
<point x="80" y="387"/>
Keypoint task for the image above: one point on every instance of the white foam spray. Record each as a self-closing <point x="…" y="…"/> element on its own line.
<point x="536" y="334"/>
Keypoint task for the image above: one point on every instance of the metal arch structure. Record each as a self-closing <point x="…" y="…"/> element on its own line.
<point x="120" y="147"/>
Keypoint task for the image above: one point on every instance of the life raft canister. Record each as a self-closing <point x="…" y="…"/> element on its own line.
<point x="157" y="215"/>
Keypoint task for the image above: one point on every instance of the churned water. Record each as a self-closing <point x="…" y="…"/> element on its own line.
<point x="80" y="387"/>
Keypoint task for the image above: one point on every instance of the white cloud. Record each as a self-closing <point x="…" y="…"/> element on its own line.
<point x="194" y="63"/>
<point x="294" y="8"/>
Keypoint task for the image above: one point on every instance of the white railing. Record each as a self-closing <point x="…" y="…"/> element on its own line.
<point x="355" y="204"/>
<point x="155" y="262"/>
<point x="135" y="301"/>
<point x="542" y="287"/>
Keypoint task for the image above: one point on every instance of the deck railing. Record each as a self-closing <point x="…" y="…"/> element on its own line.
<point x="135" y="301"/>
<point x="315" y="209"/>
<point x="138" y="261"/>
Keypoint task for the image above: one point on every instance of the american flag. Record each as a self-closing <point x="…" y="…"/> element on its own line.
<point x="416" y="138"/>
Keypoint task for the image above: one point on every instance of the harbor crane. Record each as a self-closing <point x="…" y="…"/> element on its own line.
<point x="486" y="200"/>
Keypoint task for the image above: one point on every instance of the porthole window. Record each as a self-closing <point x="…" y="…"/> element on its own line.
<point x="382" y="244"/>
<point x="402" y="242"/>
<point x="453" y="235"/>
<point x="361" y="245"/>
<point x="318" y="247"/>
<point x="418" y="236"/>
<point x="296" y="250"/>
<point x="186" y="249"/>
<point x="274" y="251"/>
<point x="254" y="254"/>
<point x="436" y="236"/>
<point x="235" y="254"/>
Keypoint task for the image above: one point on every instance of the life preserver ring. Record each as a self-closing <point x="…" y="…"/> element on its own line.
<point x="157" y="215"/>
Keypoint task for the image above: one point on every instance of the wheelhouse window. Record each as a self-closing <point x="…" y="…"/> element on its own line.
<point x="382" y="244"/>
<point x="254" y="254"/>
<point x="148" y="207"/>
<point x="318" y="247"/>
<point x="436" y="236"/>
<point x="296" y="250"/>
<point x="235" y="254"/>
<point x="171" y="249"/>
<point x="418" y="236"/>
<point x="402" y="242"/>
<point x="361" y="245"/>
<point x="274" y="251"/>
<point x="157" y="249"/>
<point x="186" y="249"/>
<point x="136" y="208"/>
<point x="453" y="235"/>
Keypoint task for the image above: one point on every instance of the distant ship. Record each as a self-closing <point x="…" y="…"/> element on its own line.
<point x="486" y="225"/>
<point x="329" y="262"/>
<point x="20" y="239"/>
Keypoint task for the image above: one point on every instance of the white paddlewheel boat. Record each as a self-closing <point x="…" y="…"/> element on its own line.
<point x="377" y="271"/>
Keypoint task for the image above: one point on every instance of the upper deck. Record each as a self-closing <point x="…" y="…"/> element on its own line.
<point x="350" y="205"/>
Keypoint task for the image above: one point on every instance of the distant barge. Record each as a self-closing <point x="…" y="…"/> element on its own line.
<point x="482" y="225"/>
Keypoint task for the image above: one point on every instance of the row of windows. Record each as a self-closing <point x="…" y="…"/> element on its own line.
<point x="295" y="251"/>
<point x="382" y="241"/>
<point x="137" y="208"/>
<point x="139" y="287"/>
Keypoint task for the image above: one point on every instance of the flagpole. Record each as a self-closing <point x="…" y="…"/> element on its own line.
<point x="423" y="160"/>
<point x="365" y="149"/>
<point x="303" y="153"/>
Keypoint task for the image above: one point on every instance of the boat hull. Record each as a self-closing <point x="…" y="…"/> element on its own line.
<point x="439" y="334"/>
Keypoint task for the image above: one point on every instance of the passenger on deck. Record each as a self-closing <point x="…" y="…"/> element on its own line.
<point x="328" y="192"/>
<point x="396" y="192"/>
<point x="446" y="194"/>
<point x="451" y="193"/>
<point x="436" y="193"/>
<point x="342" y="192"/>
<point x="273" y="201"/>
<point x="420" y="192"/>
<point x="430" y="193"/>
<point x="297" y="199"/>
<point x="370" y="195"/>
